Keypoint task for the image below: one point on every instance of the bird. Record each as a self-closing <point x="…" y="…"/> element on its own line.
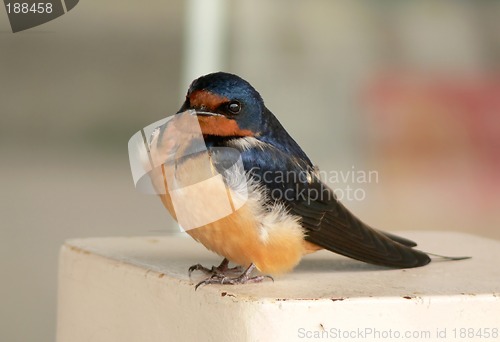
<point x="288" y="211"/>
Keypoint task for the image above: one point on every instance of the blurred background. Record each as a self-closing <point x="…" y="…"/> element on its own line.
<point x="409" y="90"/>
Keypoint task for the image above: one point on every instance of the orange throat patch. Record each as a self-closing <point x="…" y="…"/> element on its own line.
<point x="222" y="126"/>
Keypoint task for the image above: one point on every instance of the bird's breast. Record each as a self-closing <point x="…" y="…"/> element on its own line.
<point x="245" y="229"/>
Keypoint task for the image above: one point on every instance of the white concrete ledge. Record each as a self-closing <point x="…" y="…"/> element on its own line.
<point x="137" y="289"/>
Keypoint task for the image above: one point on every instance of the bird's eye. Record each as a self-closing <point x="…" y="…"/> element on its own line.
<point x="234" y="107"/>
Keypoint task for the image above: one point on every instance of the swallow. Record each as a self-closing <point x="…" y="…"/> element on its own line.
<point x="289" y="212"/>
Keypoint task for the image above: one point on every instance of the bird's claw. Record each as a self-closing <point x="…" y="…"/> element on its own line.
<point x="220" y="270"/>
<point x="199" y="267"/>
<point x="218" y="275"/>
<point x="242" y="279"/>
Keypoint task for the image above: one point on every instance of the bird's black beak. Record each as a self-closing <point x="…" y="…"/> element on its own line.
<point x="204" y="113"/>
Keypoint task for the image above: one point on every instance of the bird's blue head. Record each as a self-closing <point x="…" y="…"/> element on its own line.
<point x="226" y="105"/>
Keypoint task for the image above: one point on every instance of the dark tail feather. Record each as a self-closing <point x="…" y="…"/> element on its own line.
<point x="404" y="241"/>
<point x="410" y="243"/>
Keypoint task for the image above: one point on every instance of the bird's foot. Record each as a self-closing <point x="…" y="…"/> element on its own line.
<point x="218" y="271"/>
<point x="244" y="278"/>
